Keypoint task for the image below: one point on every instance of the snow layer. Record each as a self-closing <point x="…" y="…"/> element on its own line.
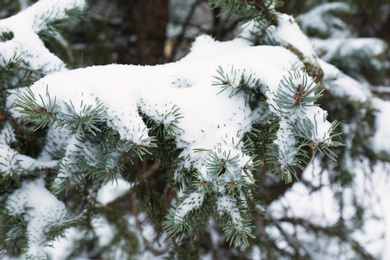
<point x="24" y="28"/>
<point x="209" y="118"/>
<point x="193" y="201"/>
<point x="287" y="34"/>
<point x="12" y="162"/>
<point x="43" y="211"/>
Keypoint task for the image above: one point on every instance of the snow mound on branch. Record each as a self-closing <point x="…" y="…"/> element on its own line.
<point x="209" y="117"/>
<point x="44" y="211"/>
<point x="24" y="28"/>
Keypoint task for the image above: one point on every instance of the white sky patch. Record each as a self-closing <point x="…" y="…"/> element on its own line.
<point x="318" y="207"/>
<point x="373" y="188"/>
<point x="124" y="88"/>
<point x="41" y="213"/>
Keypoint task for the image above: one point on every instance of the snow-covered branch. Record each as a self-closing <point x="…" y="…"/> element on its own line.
<point x="20" y="34"/>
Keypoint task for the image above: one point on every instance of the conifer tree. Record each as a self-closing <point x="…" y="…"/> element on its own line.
<point x="124" y="161"/>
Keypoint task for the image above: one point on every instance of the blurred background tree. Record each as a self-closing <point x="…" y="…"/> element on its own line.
<point x="153" y="32"/>
<point x="114" y="31"/>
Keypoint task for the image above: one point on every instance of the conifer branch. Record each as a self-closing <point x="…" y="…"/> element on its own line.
<point x="249" y="9"/>
<point x="179" y="163"/>
<point x="83" y="119"/>
<point x="42" y="114"/>
<point x="239" y="81"/>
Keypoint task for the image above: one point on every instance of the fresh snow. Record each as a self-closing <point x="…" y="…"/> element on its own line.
<point x="228" y="205"/>
<point x="192" y="202"/>
<point x="12" y="162"/>
<point x="156" y="90"/>
<point x="289" y="31"/>
<point x="25" y="27"/>
<point x="211" y="120"/>
<point x="124" y="88"/>
<point x="43" y="210"/>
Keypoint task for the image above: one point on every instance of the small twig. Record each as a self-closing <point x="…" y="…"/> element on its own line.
<point x="312" y="67"/>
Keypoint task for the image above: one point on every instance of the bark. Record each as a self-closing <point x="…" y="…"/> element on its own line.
<point x="147" y="21"/>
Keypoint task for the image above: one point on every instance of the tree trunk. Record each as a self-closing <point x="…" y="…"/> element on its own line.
<point x="146" y="21"/>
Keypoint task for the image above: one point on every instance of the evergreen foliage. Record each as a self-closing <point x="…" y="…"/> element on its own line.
<point x="130" y="183"/>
